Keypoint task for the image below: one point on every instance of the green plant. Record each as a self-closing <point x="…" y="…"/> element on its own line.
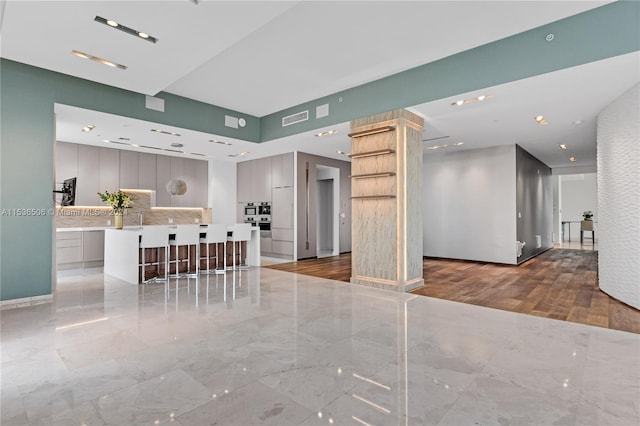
<point x="119" y="201"/>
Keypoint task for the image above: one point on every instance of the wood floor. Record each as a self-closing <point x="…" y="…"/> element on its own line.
<point x="560" y="284"/>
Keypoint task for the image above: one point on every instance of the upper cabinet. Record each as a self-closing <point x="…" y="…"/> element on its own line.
<point x="243" y="182"/>
<point x="282" y="170"/>
<point x="100" y="169"/>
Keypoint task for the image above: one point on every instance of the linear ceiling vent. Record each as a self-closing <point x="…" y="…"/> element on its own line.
<point x="295" y="118"/>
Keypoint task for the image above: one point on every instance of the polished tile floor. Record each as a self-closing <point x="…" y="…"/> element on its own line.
<point x="271" y="347"/>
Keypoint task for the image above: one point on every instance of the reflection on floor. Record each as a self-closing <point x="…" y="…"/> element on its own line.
<point x="270" y="347"/>
<point x="559" y="284"/>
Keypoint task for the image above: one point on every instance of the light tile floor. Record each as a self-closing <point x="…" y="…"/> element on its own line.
<point x="269" y="347"/>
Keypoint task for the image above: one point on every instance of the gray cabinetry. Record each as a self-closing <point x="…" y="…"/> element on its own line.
<point x="92" y="246"/>
<point x="129" y="169"/>
<point x="147" y="171"/>
<point x="66" y="162"/>
<point x="287" y="169"/>
<point x="109" y="169"/>
<point x="244" y="182"/>
<point x="163" y="175"/>
<point x="282" y="208"/>
<point x="88" y="184"/>
<point x="282" y="221"/>
<point x="79" y="249"/>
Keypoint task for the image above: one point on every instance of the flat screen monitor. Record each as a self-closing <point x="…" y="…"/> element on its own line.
<point x="69" y="192"/>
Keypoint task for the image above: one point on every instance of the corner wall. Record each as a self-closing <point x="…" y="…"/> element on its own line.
<point x="618" y="144"/>
<point x="469" y="205"/>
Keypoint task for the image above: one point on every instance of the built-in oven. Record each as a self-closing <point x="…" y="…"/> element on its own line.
<point x="250" y="209"/>
<point x="264" y="223"/>
<point x="264" y="209"/>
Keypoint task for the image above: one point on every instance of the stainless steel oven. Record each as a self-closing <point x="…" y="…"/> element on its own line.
<point x="264" y="209"/>
<point x="264" y="223"/>
<point x="250" y="209"/>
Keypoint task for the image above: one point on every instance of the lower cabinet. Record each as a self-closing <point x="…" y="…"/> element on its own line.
<point x="79" y="249"/>
<point x="265" y="245"/>
<point x="283" y="247"/>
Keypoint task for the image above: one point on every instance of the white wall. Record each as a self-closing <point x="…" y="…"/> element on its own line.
<point x="579" y="193"/>
<point x="222" y="191"/>
<point x="469" y="204"/>
<point x="618" y="144"/>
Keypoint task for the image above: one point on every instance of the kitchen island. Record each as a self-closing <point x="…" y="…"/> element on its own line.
<point x="122" y="259"/>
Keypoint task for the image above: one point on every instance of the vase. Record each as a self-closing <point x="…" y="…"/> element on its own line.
<point x="117" y="216"/>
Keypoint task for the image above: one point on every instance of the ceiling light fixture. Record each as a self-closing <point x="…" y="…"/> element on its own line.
<point x="449" y="145"/>
<point x="165" y="132"/>
<point x="540" y="120"/>
<point x="470" y="100"/>
<point x="572" y="159"/>
<point x="329" y="132"/>
<point x="130" y="31"/>
<point x="88" y="128"/>
<point x="220" y="142"/>
<point x="98" y="59"/>
<point x="562" y="146"/>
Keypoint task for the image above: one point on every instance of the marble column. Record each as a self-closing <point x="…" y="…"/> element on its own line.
<point x="386" y="190"/>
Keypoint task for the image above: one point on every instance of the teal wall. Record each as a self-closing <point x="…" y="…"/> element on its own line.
<point x="600" y="33"/>
<point x="27" y="102"/>
<point x="28" y="94"/>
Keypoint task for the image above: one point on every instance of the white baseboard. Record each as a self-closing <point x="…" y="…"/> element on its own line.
<point x="25" y="301"/>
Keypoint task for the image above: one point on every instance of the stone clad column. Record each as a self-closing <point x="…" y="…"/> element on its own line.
<point x="386" y="191"/>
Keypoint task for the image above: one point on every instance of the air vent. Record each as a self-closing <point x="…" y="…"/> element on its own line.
<point x="295" y="118"/>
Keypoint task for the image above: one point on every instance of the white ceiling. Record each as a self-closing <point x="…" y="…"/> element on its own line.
<point x="260" y="57"/>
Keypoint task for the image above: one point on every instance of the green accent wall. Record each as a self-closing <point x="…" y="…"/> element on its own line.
<point x="600" y="33"/>
<point x="27" y="136"/>
<point x="28" y="94"/>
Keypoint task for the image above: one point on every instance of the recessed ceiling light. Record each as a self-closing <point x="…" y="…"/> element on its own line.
<point x="98" y="59"/>
<point x="445" y="145"/>
<point x="470" y="100"/>
<point x="177" y="145"/>
<point x="562" y="146"/>
<point x="220" y="142"/>
<point x="329" y="132"/>
<point x="572" y="159"/>
<point x="540" y="120"/>
<point x="125" y="29"/>
<point x="88" y="128"/>
<point x="165" y="132"/>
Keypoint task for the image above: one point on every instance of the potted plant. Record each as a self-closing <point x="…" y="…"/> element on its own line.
<point x="587" y="215"/>
<point x="119" y="201"/>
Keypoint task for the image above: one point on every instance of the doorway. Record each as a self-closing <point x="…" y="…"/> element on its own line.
<point x="327" y="211"/>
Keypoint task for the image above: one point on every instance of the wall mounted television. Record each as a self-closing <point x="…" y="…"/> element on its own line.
<point x="69" y="192"/>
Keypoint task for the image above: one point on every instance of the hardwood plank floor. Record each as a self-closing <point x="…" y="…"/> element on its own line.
<point x="560" y="284"/>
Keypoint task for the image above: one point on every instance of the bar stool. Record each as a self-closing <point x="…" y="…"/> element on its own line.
<point x="156" y="237"/>
<point x="216" y="234"/>
<point x="186" y="235"/>
<point x="240" y="232"/>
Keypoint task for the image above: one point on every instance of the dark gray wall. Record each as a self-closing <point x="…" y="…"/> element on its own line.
<point x="534" y="204"/>
<point x="345" y="203"/>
